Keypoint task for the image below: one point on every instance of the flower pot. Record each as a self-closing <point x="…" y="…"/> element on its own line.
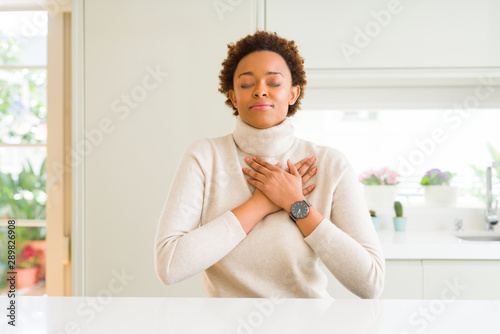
<point x="39" y="246"/>
<point x="440" y="195"/>
<point x="377" y="196"/>
<point x="26" y="277"/>
<point x="376" y="223"/>
<point x="399" y="223"/>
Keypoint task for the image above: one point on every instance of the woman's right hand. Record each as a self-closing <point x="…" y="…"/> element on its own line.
<point x="303" y="169"/>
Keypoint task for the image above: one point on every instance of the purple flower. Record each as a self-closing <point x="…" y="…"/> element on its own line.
<point x="438" y="177"/>
<point x="432" y="171"/>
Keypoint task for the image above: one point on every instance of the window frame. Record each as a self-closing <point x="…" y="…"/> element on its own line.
<point x="58" y="183"/>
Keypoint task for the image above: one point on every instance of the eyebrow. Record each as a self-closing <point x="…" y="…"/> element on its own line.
<point x="268" y="73"/>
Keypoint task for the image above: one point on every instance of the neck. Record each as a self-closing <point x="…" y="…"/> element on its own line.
<point x="269" y="142"/>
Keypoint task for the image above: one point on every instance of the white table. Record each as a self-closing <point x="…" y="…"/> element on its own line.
<point x="248" y="315"/>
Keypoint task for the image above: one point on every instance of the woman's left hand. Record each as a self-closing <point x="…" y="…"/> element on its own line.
<point x="281" y="187"/>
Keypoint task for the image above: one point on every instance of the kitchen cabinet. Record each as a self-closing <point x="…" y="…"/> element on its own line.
<point x="461" y="279"/>
<point x="403" y="280"/>
<point x="381" y="34"/>
<point x="444" y="280"/>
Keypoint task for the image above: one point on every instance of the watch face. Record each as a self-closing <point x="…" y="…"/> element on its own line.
<point x="300" y="210"/>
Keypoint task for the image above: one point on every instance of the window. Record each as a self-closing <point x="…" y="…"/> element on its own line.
<point x="403" y="141"/>
<point x="36" y="45"/>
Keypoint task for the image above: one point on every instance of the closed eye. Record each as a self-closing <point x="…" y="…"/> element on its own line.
<point x="271" y="84"/>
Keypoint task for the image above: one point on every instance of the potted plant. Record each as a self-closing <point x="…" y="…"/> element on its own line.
<point x="437" y="189"/>
<point x="375" y="220"/>
<point x="399" y="221"/>
<point x="34" y="237"/>
<point x="27" y="268"/>
<point x="379" y="186"/>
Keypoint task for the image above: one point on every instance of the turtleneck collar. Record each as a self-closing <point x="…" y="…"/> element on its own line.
<point x="268" y="142"/>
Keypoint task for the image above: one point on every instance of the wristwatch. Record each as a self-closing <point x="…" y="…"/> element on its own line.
<point x="299" y="210"/>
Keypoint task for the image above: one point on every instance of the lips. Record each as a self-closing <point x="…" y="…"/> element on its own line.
<point x="261" y="106"/>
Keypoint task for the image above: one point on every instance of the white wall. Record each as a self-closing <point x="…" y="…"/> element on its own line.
<point x="129" y="171"/>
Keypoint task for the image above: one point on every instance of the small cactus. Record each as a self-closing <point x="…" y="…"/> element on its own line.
<point x="372" y="213"/>
<point x="398" y="208"/>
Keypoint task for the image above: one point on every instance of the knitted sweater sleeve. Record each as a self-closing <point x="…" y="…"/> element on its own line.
<point x="347" y="242"/>
<point x="183" y="248"/>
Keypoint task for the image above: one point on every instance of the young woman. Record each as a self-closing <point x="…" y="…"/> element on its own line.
<point x="253" y="228"/>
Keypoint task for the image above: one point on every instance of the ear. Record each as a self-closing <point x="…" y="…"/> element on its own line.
<point x="232" y="96"/>
<point x="294" y="95"/>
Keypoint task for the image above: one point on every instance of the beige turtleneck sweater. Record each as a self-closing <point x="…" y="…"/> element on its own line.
<point x="198" y="233"/>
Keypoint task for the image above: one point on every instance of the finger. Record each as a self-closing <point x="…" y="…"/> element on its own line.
<point x="255" y="183"/>
<point x="308" y="176"/>
<point x="305" y="167"/>
<point x="254" y="174"/>
<point x="292" y="168"/>
<point x="258" y="167"/>
<point x="299" y="164"/>
<point x="308" y="190"/>
<point x="266" y="164"/>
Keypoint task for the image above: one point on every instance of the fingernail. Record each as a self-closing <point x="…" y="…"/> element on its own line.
<point x="244" y="169"/>
<point x="247" y="159"/>
<point x="314" y="169"/>
<point x="313" y="158"/>
<point x="255" y="158"/>
<point x="313" y="186"/>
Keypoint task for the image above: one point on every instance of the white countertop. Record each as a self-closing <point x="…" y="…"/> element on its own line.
<point x="419" y="245"/>
<point x="249" y="315"/>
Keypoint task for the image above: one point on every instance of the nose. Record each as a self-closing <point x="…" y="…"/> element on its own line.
<point x="260" y="90"/>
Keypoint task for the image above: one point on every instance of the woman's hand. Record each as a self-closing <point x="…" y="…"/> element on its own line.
<point x="306" y="173"/>
<point x="281" y="187"/>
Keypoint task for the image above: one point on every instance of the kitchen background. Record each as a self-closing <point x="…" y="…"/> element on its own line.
<point x="408" y="85"/>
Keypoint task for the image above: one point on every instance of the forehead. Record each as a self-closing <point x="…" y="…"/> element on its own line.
<point x="260" y="62"/>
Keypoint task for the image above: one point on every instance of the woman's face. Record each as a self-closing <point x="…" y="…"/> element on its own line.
<point x="263" y="89"/>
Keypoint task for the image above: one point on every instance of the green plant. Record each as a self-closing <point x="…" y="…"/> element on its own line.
<point x="398" y="208"/>
<point x="436" y="177"/>
<point x="3" y="260"/>
<point x="24" y="197"/>
<point x="27" y="233"/>
<point x="372" y="213"/>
